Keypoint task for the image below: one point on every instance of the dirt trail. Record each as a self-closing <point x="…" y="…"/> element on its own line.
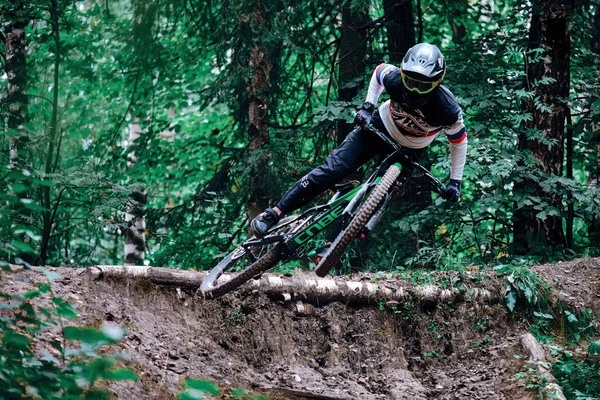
<point x="332" y="351"/>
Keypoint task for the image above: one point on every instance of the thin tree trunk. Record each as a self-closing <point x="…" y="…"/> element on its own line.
<point x="258" y="130"/>
<point x="594" y="177"/>
<point x="49" y="211"/>
<point x="458" y="11"/>
<point x="400" y="28"/>
<point x="571" y="209"/>
<point x="549" y="29"/>
<point x="353" y="50"/>
<point x="596" y="31"/>
<point x="135" y="241"/>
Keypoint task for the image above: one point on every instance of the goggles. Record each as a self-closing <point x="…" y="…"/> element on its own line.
<point x="419" y="86"/>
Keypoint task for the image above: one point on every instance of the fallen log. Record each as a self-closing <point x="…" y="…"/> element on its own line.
<point x="308" y="287"/>
<point x="537" y="356"/>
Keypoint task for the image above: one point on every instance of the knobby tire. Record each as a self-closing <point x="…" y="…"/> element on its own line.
<point x="259" y="266"/>
<point x="345" y="237"/>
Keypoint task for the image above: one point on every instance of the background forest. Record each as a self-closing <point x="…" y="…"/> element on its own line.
<point x="167" y="124"/>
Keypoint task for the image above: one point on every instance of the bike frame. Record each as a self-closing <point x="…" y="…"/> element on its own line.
<point x="316" y="219"/>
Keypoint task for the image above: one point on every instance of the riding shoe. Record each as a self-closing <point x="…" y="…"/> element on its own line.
<point x="264" y="221"/>
<point x="320" y="252"/>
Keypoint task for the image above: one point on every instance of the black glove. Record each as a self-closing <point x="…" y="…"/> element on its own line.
<point x="452" y="191"/>
<point x="363" y="117"/>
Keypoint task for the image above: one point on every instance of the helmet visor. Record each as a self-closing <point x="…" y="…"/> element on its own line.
<point x="417" y="85"/>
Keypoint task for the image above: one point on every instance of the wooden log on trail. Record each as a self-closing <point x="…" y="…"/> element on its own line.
<point x="310" y="288"/>
<point x="537" y="356"/>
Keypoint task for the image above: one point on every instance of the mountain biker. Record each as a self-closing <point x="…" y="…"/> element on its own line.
<point x="418" y="109"/>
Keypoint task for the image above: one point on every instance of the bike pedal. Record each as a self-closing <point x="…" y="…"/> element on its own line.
<point x="318" y="254"/>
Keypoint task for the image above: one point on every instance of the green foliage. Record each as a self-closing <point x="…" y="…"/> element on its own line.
<point x="37" y="364"/>
<point x="579" y="377"/>
<point x="67" y="206"/>
<point x="526" y="291"/>
<point x="534" y="380"/>
<point x="197" y="389"/>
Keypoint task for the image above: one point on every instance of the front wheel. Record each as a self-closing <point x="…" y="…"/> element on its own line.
<point x="212" y="287"/>
<point x="250" y="261"/>
<point x="362" y="216"/>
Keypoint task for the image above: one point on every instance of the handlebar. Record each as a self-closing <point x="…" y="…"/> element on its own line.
<point x="405" y="161"/>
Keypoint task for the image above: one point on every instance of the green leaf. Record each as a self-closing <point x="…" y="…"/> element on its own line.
<point x="64" y="308"/>
<point x="203" y="386"/>
<point x="19" y="187"/>
<point x="44" y="287"/>
<point x="594" y="348"/>
<point x="542" y="315"/>
<point x="21" y="246"/>
<point x="191" y="394"/>
<point x="32" y="294"/>
<point x="238" y="392"/>
<point x="511" y="300"/>
<point x="120" y="375"/>
<point x="113" y="332"/>
<point x="86" y="335"/>
<point x="570" y="316"/>
<point x="51" y="276"/>
<point x="529" y="295"/>
<point x="15" y="341"/>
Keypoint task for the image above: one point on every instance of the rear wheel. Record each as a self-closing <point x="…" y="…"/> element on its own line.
<point x="345" y="237"/>
<point x="250" y="261"/>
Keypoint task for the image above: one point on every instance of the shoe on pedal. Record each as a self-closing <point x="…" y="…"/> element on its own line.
<point x="320" y="252"/>
<point x="264" y="221"/>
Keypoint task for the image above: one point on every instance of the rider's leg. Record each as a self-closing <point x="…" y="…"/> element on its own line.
<point x="358" y="147"/>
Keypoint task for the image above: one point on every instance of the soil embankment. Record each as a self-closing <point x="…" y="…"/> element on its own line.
<point x="453" y="350"/>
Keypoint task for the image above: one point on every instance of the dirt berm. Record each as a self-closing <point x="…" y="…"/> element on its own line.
<point x="461" y="348"/>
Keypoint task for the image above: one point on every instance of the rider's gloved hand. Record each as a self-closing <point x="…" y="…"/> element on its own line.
<point x="363" y="117"/>
<point x="452" y="191"/>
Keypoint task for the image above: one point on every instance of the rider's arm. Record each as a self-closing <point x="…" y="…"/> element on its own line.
<point x="376" y="85"/>
<point x="457" y="136"/>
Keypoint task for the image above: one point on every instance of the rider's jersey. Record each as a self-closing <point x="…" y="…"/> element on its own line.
<point x="417" y="128"/>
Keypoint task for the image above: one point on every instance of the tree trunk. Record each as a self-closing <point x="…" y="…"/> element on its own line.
<point x="594" y="176"/>
<point x="401" y="37"/>
<point x="353" y="50"/>
<point x="258" y="130"/>
<point x="308" y="287"/>
<point x="50" y="211"/>
<point x="135" y="241"/>
<point x="458" y="11"/>
<point x="400" y="28"/>
<point x="596" y="31"/>
<point x="16" y="71"/>
<point x="570" y="205"/>
<point x="548" y="29"/>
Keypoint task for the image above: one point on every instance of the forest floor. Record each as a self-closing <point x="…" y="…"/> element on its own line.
<point x="460" y="350"/>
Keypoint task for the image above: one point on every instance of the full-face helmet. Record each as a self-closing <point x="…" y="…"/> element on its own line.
<point x="422" y="70"/>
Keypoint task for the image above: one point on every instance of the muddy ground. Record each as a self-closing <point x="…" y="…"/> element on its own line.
<point x="328" y="351"/>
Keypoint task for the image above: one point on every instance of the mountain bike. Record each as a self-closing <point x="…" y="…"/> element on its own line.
<point x="359" y="207"/>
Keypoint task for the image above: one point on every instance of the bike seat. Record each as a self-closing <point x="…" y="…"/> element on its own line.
<point x="340" y="187"/>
